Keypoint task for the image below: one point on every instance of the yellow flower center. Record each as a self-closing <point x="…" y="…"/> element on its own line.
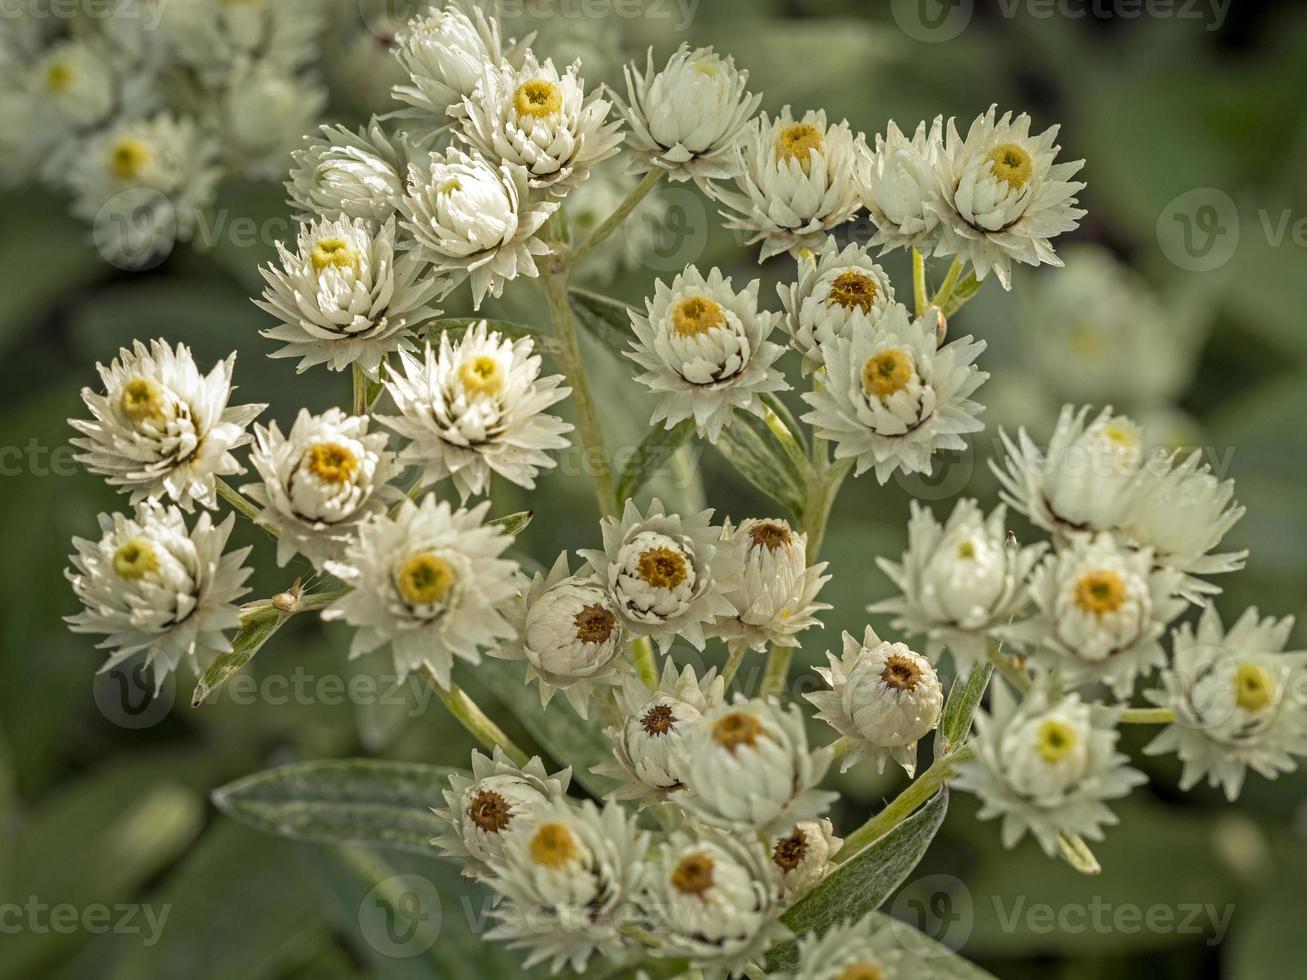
<point x="966" y="549"/>
<point x="143" y="400"/>
<point x="331" y="462"/>
<point x="735" y="729"/>
<point x="59" y="77"/>
<point x="481" y="375"/>
<point x="135" y="558"/>
<point x="708" y="69"/>
<point x="693" y="874"/>
<point x="886" y="372"/>
<point x="335" y="252"/>
<point x="662" y="568"/>
<point x="1255" y="687"/>
<point x="697" y="314"/>
<point x="799" y="142"/>
<point x="1055" y="740"/>
<point x="554" y="846"/>
<point x="900" y="672"/>
<point x="538" y="98"/>
<point x="1120" y="434"/>
<point x="860" y="971"/>
<point x="128" y="158"/>
<point x="1100" y="592"/>
<point x="424" y="579"/>
<point x="451" y="186"/>
<point x="1011" y="164"/>
<point x="853" y="290"/>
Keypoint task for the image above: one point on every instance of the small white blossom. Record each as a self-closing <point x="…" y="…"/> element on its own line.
<point x="688" y="118"/>
<point x="839" y="293"/>
<point x="569" y="880"/>
<point x="1001" y="196"/>
<point x="320" y="482"/>
<point x="429" y="581"/>
<point x="713" y="899"/>
<point x="801" y="856"/>
<point x="346" y="174"/>
<point x="212" y="35"/>
<point x="497" y="800"/>
<point x="894" y="397"/>
<point x="151" y="584"/>
<point x="1047" y="767"/>
<point x="474" y="219"/>
<point x="1101" y="612"/>
<point x="477" y="407"/>
<point x="704" y="349"/>
<point x="777" y="595"/>
<point x="798" y="180"/>
<point x="652" y="734"/>
<point x="959" y="581"/>
<point x="161" y="428"/>
<point x="568" y="635"/>
<point x="534" y="117"/>
<point x="344" y="297"/>
<point x="883" y="698"/>
<point x="667" y="574"/>
<point x="747" y="766"/>
<point x="1237" y="698"/>
<point x="900" y="185"/>
<point x="861" y="950"/>
<point x="264" y="113"/>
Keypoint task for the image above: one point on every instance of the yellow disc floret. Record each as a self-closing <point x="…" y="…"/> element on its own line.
<point x="128" y="157"/>
<point x="143" y="400"/>
<point x="663" y="568"/>
<point x="799" y="142"/>
<point x="333" y="253"/>
<point x="135" y="558"/>
<point x="424" y="579"/>
<point x="1011" y="164"/>
<point x="853" y="290"/>
<point x="693" y="874"/>
<point x="59" y="77"/>
<point x="735" y="729"/>
<point x="331" y="462"/>
<point x="695" y="315"/>
<point x="1255" y="687"/>
<point x="1100" y="592"/>
<point x="481" y="375"/>
<point x="538" y="98"/>
<point x="887" y="372"/>
<point x="553" y="845"/>
<point x="1055" y="740"/>
<point x="860" y="971"/>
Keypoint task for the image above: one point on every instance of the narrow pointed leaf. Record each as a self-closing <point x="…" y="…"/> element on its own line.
<point x="963" y="699"/>
<point x="606" y="319"/>
<point x="248" y="642"/>
<point x="754" y="454"/>
<point x="512" y="524"/>
<point x="653" y="452"/>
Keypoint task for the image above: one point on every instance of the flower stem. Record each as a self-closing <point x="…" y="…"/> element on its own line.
<point x="614" y="220"/>
<point x="1147" y="716"/>
<point x="1008" y="666"/>
<point x="360" y="391"/>
<point x="905" y="804"/>
<point x="950" y="282"/>
<point x="645" y="665"/>
<point x="821" y="498"/>
<point x="471" y="717"/>
<point x="919" y="282"/>
<point x="587" y="420"/>
<point x="778" y="671"/>
<point x="735" y="657"/>
<point x="241" y="504"/>
<point x="784" y="436"/>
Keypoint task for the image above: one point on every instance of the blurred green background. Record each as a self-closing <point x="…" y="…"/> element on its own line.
<point x="103" y="806"/>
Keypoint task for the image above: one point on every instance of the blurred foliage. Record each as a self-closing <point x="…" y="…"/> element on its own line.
<point x="98" y="813"/>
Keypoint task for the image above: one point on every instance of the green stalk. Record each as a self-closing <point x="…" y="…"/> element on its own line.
<point x="736" y="651"/>
<point x="471" y="717"/>
<point x="950" y="282"/>
<point x="1008" y="666"/>
<point x="919" y="282"/>
<point x="242" y="505"/>
<point x="777" y="673"/>
<point x="614" y="220"/>
<point x="645" y="664"/>
<point x="1147" y="716"/>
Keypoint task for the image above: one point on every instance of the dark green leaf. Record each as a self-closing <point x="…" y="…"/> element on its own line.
<point x="753" y="452"/>
<point x="607" y="320"/>
<point x="963" y="699"/>
<point x="656" y="448"/>
<point x="512" y="524"/>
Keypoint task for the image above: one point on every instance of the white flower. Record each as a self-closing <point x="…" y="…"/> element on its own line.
<point x="639" y="236"/>
<point x="533" y="117"/>
<point x="652" y="734"/>
<point x="430" y="582"/>
<point x="713" y="899"/>
<point x="899" y="186"/>
<point x="444" y="55"/>
<point x="568" y="635"/>
<point x="347" y="174"/>
<point x="747" y="766"/>
<point x="839" y="293"/>
<point x="858" y="950"/>
<point x="144" y="183"/>
<point x="320" y="482"/>
<point x="570" y="880"/>
<point x="472" y="218"/>
<point x="76" y="81"/>
<point x="264" y="113"/>
<point x="150" y="584"/>
<point x="704" y="349"/>
<point x="883" y="698"/>
<point x="1181" y="512"/>
<point x="476" y="407"/>
<point x="161" y="428"/>
<point x="688" y="118"/>
<point x="894" y="397"/>
<point x="777" y="595"/>
<point x="1047" y="767"/>
<point x="1001" y="196"/>
<point x="798" y="180"/>
<point x="344" y="298"/>
<point x="959" y="581"/>
<point x="667" y="574"/>
<point x="1237" y="698"/>
<point x="1086" y="479"/>
<point x="497" y="800"/>
<point x="801" y="856"/>
<point x="212" y="35"/>
<point x="1101" y="612"/>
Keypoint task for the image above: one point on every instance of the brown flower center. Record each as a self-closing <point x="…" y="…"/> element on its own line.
<point x="658" y="720"/>
<point x="789" y="851"/>
<point x="693" y="874"/>
<point x="735" y="729"/>
<point x="853" y="290"/>
<point x="770" y="535"/>
<point x="900" y="672"/>
<point x="594" y="624"/>
<point x="490" y="811"/>
<point x="662" y="568"/>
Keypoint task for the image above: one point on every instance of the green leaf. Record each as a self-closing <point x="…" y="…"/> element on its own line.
<point x="512" y="524"/>
<point x="343" y="801"/>
<point x="753" y="452"/>
<point x="963" y="699"/>
<point x="655" y="450"/>
<point x="962" y="292"/>
<point x="607" y="320"/>
<point x="248" y="642"/>
<point x="863" y="882"/>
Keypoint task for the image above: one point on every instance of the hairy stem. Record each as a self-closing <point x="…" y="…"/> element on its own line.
<point x="735" y="656"/>
<point x="645" y="664"/>
<point x="777" y="673"/>
<point x="614" y="220"/>
<point x="1147" y="716"/>
<point x="241" y="504"/>
<point x="950" y="282"/>
<point x="360" y="391"/>
<point x="919" y="297"/>
<point x="471" y="717"/>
